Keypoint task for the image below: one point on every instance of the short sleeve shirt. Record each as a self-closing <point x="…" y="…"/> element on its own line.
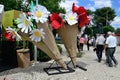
<point x="82" y="40"/>
<point x="100" y="40"/>
<point x="111" y="41"/>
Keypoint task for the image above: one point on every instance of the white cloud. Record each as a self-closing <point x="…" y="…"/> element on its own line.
<point x="67" y="4"/>
<point x="99" y="4"/>
<point x="119" y="9"/>
<point x="116" y="22"/>
<point x="91" y="7"/>
<point x="102" y="3"/>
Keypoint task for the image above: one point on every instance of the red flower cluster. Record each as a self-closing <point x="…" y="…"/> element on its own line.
<point x="83" y="19"/>
<point x="8" y="36"/>
<point x="55" y="20"/>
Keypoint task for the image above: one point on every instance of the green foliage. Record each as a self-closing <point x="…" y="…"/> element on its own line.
<point x="95" y="31"/>
<point x="89" y="12"/>
<point x="104" y="15"/>
<point x="88" y="30"/>
<point x="44" y="57"/>
<point x="14" y="4"/>
<point x="107" y="28"/>
<point x="22" y="44"/>
<point x="41" y="56"/>
<point x="52" y="5"/>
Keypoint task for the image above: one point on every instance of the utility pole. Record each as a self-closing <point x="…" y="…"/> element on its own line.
<point x="106" y="17"/>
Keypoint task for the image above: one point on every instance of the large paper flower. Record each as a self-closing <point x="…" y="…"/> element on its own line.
<point x="55" y="20"/>
<point x="40" y="13"/>
<point x="25" y="23"/>
<point x="14" y="34"/>
<point x="71" y="18"/>
<point x="37" y="35"/>
<point x="83" y="19"/>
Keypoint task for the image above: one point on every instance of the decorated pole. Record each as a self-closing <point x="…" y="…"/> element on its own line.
<point x="34" y="28"/>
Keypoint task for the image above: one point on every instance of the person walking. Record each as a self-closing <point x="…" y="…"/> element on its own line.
<point x="99" y="46"/>
<point x="110" y="47"/>
<point x="88" y="43"/>
<point x="82" y="40"/>
<point x="78" y="43"/>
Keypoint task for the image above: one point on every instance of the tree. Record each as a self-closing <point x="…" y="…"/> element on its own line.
<point x="88" y="30"/>
<point x="15" y="4"/>
<point x="52" y="5"/>
<point x="89" y="12"/>
<point x="104" y="15"/>
<point x="108" y="28"/>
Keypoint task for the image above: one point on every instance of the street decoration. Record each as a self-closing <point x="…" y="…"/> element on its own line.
<point x="67" y="28"/>
<point x="34" y="27"/>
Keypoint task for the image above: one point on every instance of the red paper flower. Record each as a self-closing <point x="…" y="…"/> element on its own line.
<point x="55" y="20"/>
<point x="8" y="36"/>
<point x="74" y="8"/>
<point x="83" y="19"/>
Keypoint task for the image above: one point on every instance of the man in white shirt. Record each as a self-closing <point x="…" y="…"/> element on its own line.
<point x="99" y="46"/>
<point x="111" y="43"/>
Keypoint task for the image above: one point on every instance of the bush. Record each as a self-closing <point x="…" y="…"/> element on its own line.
<point x="43" y="57"/>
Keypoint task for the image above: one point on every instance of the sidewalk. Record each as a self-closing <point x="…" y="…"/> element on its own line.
<point x="95" y="70"/>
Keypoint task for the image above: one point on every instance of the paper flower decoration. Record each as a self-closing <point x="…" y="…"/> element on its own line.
<point x="71" y="18"/>
<point x="55" y="20"/>
<point x="8" y="36"/>
<point x="83" y="19"/>
<point x="25" y="23"/>
<point x="40" y="14"/>
<point x="37" y="35"/>
<point x="13" y="33"/>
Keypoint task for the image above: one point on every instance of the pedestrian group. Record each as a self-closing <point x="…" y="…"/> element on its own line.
<point x="101" y="44"/>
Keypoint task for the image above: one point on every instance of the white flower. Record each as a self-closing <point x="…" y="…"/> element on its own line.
<point x="37" y="35"/>
<point x="71" y="18"/>
<point x="14" y="33"/>
<point x="40" y="13"/>
<point x="25" y="23"/>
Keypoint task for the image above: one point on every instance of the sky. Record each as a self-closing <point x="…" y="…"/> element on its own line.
<point x="95" y="4"/>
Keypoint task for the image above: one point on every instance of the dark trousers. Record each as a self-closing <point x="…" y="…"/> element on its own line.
<point x="99" y="51"/>
<point x="81" y="46"/>
<point x="88" y="46"/>
<point x="110" y="56"/>
<point x="78" y="47"/>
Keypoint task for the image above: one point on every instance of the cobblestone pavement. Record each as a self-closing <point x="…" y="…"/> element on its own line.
<point x="95" y="70"/>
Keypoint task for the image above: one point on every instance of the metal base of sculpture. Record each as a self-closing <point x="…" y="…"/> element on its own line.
<point x="57" y="69"/>
<point x="78" y="65"/>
